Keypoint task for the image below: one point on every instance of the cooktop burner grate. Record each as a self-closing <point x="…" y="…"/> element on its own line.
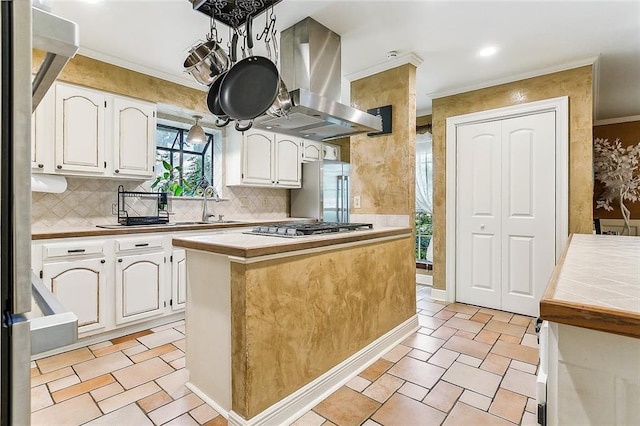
<point x="302" y="229"/>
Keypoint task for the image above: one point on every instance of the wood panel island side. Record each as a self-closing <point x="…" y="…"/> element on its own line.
<point x="274" y="325"/>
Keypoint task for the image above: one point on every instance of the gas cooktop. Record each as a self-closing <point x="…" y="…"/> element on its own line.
<point x="292" y="230"/>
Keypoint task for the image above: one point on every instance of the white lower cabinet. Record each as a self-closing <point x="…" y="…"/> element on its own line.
<point x="139" y="286"/>
<point x="178" y="280"/>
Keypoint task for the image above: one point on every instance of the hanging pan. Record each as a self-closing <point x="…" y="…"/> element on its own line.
<point x="250" y="86"/>
<point x="213" y="97"/>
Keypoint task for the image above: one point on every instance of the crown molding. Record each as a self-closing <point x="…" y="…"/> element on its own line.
<point x="617" y="120"/>
<point x="407" y="58"/>
<point x="510" y="79"/>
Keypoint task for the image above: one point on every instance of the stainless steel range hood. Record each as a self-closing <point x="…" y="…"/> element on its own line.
<point x="311" y="69"/>
<point x="59" y="39"/>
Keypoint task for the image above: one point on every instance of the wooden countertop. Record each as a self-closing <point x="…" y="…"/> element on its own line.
<point x="596" y="285"/>
<point x="251" y="246"/>
<point x="70" y="232"/>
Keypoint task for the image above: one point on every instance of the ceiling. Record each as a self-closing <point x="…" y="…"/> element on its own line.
<point x="153" y="36"/>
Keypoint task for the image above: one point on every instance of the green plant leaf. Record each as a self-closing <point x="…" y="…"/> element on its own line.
<point x="166" y="175"/>
<point x="166" y="165"/>
<point x="178" y="168"/>
<point x="155" y="182"/>
<point x="177" y="191"/>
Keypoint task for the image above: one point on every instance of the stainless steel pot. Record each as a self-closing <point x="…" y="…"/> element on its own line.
<point x="282" y="105"/>
<point x="206" y="61"/>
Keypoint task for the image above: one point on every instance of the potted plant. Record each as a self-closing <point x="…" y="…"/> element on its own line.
<point x="616" y="168"/>
<point x="169" y="181"/>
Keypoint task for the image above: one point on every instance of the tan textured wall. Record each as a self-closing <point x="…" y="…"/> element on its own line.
<point x="287" y="332"/>
<point x="575" y="83"/>
<point x="383" y="167"/>
<point x="100" y="75"/>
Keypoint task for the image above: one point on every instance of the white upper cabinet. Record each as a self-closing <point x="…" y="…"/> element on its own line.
<point x="79" y="130"/>
<point x="262" y="159"/>
<point x="134" y="130"/>
<point x="42" y="137"/>
<point x="311" y="151"/>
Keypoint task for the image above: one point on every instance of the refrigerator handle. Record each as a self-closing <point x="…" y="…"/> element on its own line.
<point x="339" y="200"/>
<point x="345" y="194"/>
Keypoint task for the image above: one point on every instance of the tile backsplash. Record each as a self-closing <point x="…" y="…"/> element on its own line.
<point x="89" y="201"/>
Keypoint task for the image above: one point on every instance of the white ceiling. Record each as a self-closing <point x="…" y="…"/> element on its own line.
<point x="152" y="36"/>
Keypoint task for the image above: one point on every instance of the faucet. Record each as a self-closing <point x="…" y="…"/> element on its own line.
<point x="214" y="195"/>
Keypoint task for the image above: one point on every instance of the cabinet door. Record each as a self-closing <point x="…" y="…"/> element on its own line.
<point x="178" y="280"/>
<point x="79" y="130"/>
<point x="288" y="168"/>
<point x="258" y="158"/>
<point x="139" y="286"/>
<point x="42" y="139"/>
<point x="312" y="151"/>
<point x="134" y="130"/>
<point x="80" y="286"/>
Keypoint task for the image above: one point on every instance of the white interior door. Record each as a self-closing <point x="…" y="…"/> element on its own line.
<point x="505" y="197"/>
<point x="479" y="223"/>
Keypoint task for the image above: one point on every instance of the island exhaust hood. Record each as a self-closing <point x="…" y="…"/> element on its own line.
<point x="311" y="69"/>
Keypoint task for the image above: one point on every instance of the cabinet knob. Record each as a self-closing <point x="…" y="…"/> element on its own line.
<point x="58" y="167"/>
<point x="117" y="171"/>
<point x="41" y="166"/>
<point x="119" y="260"/>
<point x="103" y="261"/>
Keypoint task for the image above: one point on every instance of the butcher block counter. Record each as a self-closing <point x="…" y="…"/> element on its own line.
<point x="274" y="324"/>
<point x="590" y="339"/>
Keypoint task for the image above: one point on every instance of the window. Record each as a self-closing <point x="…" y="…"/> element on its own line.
<point x="424" y="196"/>
<point x="184" y="168"/>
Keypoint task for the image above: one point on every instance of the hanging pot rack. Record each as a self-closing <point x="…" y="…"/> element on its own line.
<point x="232" y="13"/>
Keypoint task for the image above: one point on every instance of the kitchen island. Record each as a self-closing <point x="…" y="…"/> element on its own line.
<point x="275" y="324"/>
<point x="590" y="345"/>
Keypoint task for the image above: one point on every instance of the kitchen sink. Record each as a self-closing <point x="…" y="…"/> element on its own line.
<point x="212" y="222"/>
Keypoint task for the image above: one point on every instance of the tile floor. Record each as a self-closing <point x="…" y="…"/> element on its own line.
<point x="466" y="365"/>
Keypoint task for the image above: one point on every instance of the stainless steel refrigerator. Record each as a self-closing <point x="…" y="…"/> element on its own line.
<point x="325" y="192"/>
<point x="20" y="334"/>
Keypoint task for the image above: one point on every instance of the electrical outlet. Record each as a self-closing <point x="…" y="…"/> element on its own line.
<point x="244" y="202"/>
<point x="114" y="209"/>
<point x="356" y="201"/>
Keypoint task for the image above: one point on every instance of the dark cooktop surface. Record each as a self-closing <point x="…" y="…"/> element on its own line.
<point x="302" y="229"/>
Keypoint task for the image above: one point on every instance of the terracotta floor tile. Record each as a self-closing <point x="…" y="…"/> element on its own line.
<point x="463" y="414"/>
<point x="133" y="336"/>
<point x="505" y="328"/>
<point x="103" y="365"/>
<point x="376" y="370"/>
<point x="470" y="347"/>
<point x="178" y="363"/>
<point x="443" y="396"/>
<point x="418" y="372"/>
<point x="402" y="411"/>
<point x="444" y="333"/>
<point x="100" y="345"/>
<point x="521" y="320"/>
<point x="531" y="406"/>
<point x="508" y="405"/>
<point x="168" y="326"/>
<point x="413" y="391"/>
<point x="497" y="315"/>
<point x="74" y="411"/>
<point x="476" y="400"/>
<point x="34" y="372"/>
<point x="424" y="343"/>
<point x="139" y="348"/>
<point x="346" y="407"/>
<point x="160" y="338"/>
<point x="487" y="336"/>
<point x="473" y="378"/>
<point x="217" y="421"/>
<point x="469" y="360"/>
<point x="310" y="419"/>
<point x="203" y="413"/>
<point x="444" y="314"/>
<point x="430" y="322"/>
<point x="429" y="306"/>
<point x="383" y="388"/>
<point x="114" y="348"/>
<point x="529" y="419"/>
<point x="125" y="416"/>
<point x="143" y="372"/>
<point x="106" y="391"/>
<point x="510" y="339"/>
<point x="180" y="344"/>
<point x="40" y="398"/>
<point x="369" y="422"/>
<point x="395" y="354"/>
<point x="418" y="354"/>
<point x="174" y="354"/>
<point x="465" y="334"/>
<point x="460" y="307"/>
<point x="425" y="330"/>
<point x="173" y="383"/>
<point x="125" y="398"/>
<point x="523" y="366"/>
<point x="56" y="362"/>
<point x="480" y="317"/>
<point x="444" y="358"/>
<point x="160" y="350"/>
<point x="520" y="382"/>
<point x="154" y="401"/>
<point x="519" y="352"/>
<point x="462" y="316"/>
<point x="530" y="340"/>
<point x="84" y="387"/>
<point x="495" y="364"/>
<point x="183" y="420"/>
<point x="358" y="383"/>
<point x="56" y="385"/>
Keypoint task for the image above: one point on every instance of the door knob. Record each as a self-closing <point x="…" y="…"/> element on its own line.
<point x="482" y="227"/>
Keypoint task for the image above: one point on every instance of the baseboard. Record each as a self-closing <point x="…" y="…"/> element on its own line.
<point x="439" y="295"/>
<point x="295" y="405"/>
<point x="224" y="413"/>
<point x="424" y="279"/>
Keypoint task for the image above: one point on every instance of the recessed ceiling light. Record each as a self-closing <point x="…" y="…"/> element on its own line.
<point x="488" y="51"/>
